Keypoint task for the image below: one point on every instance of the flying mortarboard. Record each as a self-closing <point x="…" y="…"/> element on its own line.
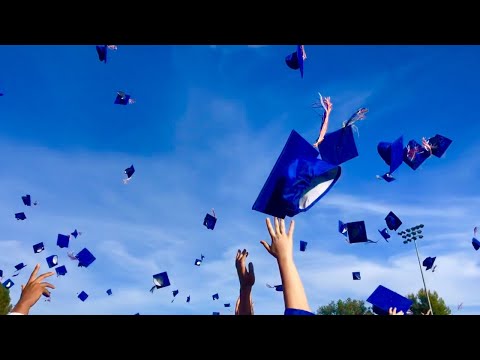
<point x="393" y="222"/>
<point x="20" y="266"/>
<point x="61" y="270"/>
<point x="63" y="240"/>
<point x="215" y="296"/>
<point x="160" y="280"/>
<point x="20" y="216"/>
<point x="83" y="296"/>
<point x="38" y="248"/>
<point x="383" y="299"/>
<point x="129" y="172"/>
<point x="75" y="233"/>
<point x="338" y="146"/>
<point x="357" y="232"/>
<point x="391" y="153"/>
<point x="276" y="287"/>
<point x="198" y="262"/>
<point x="27" y="201"/>
<point x="123" y="99"/>
<point x="188" y="298"/>
<point x="85" y="258"/>
<point x="1" y="274"/>
<point x="215" y="313"/>
<point x="102" y="53"/>
<point x="384" y="234"/>
<point x="303" y="245"/>
<point x="109" y="292"/>
<point x="297" y="181"/>
<point x="52" y="261"/>
<point x="475" y="243"/>
<point x="415" y="154"/>
<point x="295" y="60"/>
<point x="428" y="262"/>
<point x="210" y="220"/>
<point x="226" y="305"/>
<point x="439" y="145"/>
<point x="8" y="284"/>
<point x="175" y="293"/>
<point x="356" y="275"/>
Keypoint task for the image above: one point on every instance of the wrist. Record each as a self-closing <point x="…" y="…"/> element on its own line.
<point x="285" y="261"/>
<point x="21" y="308"/>
<point x="245" y="289"/>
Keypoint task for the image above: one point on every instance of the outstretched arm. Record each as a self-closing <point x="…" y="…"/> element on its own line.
<point x="244" y="305"/>
<point x="326" y="116"/>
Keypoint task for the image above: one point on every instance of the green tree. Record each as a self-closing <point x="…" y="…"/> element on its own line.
<point x="5" y="305"/>
<point x="420" y="303"/>
<point x="347" y="307"/>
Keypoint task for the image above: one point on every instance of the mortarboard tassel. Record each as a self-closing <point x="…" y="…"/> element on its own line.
<point x="304" y="54"/>
<point x="357" y="116"/>
<point x="153" y="288"/>
<point x="112" y="47"/>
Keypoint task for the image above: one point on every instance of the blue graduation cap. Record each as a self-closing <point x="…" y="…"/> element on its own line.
<point x="384" y="234"/>
<point x="393" y="222"/>
<point x="439" y="145"/>
<point x="226" y="305"/>
<point x="357" y="232"/>
<point x="61" y="270"/>
<point x="85" y="258"/>
<point x="215" y="296"/>
<point x="188" y="298"/>
<point x="276" y="287"/>
<point x="342" y="228"/>
<point x="38" y="248"/>
<point x="52" y="261"/>
<point x="198" y="262"/>
<point x="209" y="221"/>
<point x="383" y="299"/>
<point x="1" y="274"/>
<point x="338" y="146"/>
<point x="303" y="245"/>
<point x="356" y="275"/>
<point x="475" y="243"/>
<point x="27" y="201"/>
<point x="160" y="280"/>
<point x="129" y="172"/>
<point x="109" y="292"/>
<point x="297" y="181"/>
<point x="215" y="313"/>
<point x="75" y="233"/>
<point x="63" y="240"/>
<point x="175" y="293"/>
<point x="295" y="60"/>
<point x="20" y="216"/>
<point x="428" y="262"/>
<point x="387" y="177"/>
<point x="8" y="284"/>
<point x="391" y="153"/>
<point x="122" y="98"/>
<point x="102" y="53"/>
<point x="83" y="296"/>
<point x="415" y="154"/>
<point x="20" y="266"/>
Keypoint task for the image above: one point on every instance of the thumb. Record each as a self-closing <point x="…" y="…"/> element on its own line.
<point x="265" y="245"/>
<point x="250" y="269"/>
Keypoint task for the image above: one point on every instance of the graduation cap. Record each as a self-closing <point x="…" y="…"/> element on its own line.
<point x="102" y="53"/>
<point x="52" y="261"/>
<point x="338" y="146"/>
<point x="342" y="228"/>
<point x="215" y="296"/>
<point x="63" y="240"/>
<point x="357" y="232"/>
<point x="303" y="245"/>
<point x="391" y="153"/>
<point x="297" y="181"/>
<point x="428" y="262"/>
<point x="210" y="220"/>
<point x="75" y="233"/>
<point x="415" y="154"/>
<point x="198" y="262"/>
<point x="188" y="298"/>
<point x="20" y="216"/>
<point x="295" y="60"/>
<point x="27" y="200"/>
<point x="38" y="248"/>
<point x="83" y="296"/>
<point x="175" y="293"/>
<point x="61" y="270"/>
<point x="439" y="144"/>
<point x="1" y="274"/>
<point x="85" y="258"/>
<point x="387" y="177"/>
<point x="215" y="313"/>
<point x="393" y="222"/>
<point x="356" y="275"/>
<point x="109" y="292"/>
<point x="475" y="243"/>
<point x="383" y="299"/>
<point x="384" y="234"/>
<point x="160" y="280"/>
<point x="123" y="99"/>
<point x="226" y="305"/>
<point x="8" y="284"/>
<point x="277" y="287"/>
<point x="20" y="266"/>
<point x="129" y="171"/>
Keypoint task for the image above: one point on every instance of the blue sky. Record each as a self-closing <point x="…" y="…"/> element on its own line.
<point x="207" y="127"/>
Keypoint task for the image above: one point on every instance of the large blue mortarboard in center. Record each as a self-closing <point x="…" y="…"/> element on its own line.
<point x="297" y="181"/>
<point x="85" y="258"/>
<point x="383" y="299"/>
<point x="391" y="153"/>
<point x="295" y="60"/>
<point x="338" y="146"/>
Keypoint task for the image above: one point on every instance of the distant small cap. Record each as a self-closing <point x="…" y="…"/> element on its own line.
<point x="384" y="234"/>
<point x="215" y="296"/>
<point x="391" y="153"/>
<point x="61" y="270"/>
<point x="38" y="248"/>
<point x="20" y="216"/>
<point x="161" y="280"/>
<point x="20" y="266"/>
<point x="209" y="221"/>
<point x="27" y="201"/>
<point x="188" y="298"/>
<point x="130" y="171"/>
<point x="8" y="284"/>
<point x="303" y="245"/>
<point x="198" y="262"/>
<point x="428" y="262"/>
<point x="109" y="292"/>
<point x="122" y="98"/>
<point x="83" y="296"/>
<point x="175" y="293"/>
<point x="226" y="305"/>
<point x="383" y="299"/>
<point x="356" y="275"/>
<point x="75" y="233"/>
<point x="393" y="222"/>
<point x="52" y="261"/>
<point x="476" y="243"/>
<point x="215" y="313"/>
<point x="63" y="241"/>
<point x="85" y="258"/>
<point x="357" y="232"/>
<point x="297" y="181"/>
